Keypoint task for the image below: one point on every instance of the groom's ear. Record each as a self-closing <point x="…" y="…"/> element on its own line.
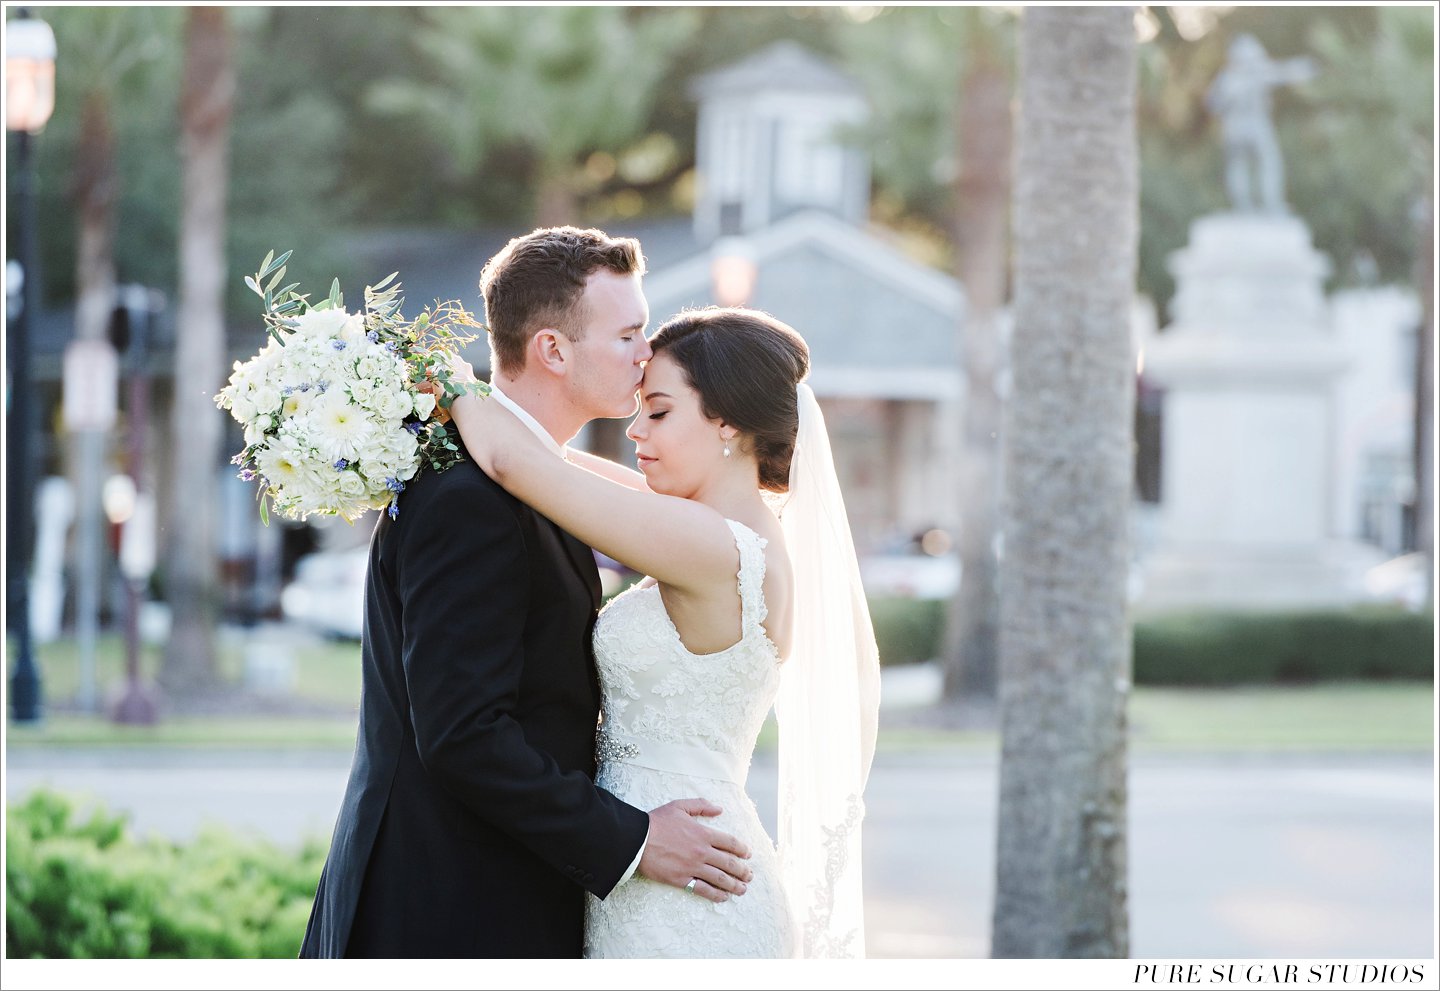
<point x="551" y="350"/>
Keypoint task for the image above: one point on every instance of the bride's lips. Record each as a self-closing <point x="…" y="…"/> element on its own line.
<point x="643" y="462"/>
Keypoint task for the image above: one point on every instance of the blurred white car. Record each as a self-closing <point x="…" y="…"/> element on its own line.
<point x="328" y="593"/>
<point x="910" y="576"/>
<point x="1403" y="580"/>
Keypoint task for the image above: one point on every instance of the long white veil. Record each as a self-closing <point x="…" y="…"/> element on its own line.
<point x="828" y="704"/>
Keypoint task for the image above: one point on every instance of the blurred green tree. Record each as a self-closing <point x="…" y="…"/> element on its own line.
<point x="942" y="81"/>
<point x="912" y="61"/>
<point x="550" y="85"/>
<point x="1060" y="885"/>
<point x="109" y="57"/>
<point x="302" y="198"/>
<point x="294" y="135"/>
<point x="1351" y="137"/>
<point x="1370" y="82"/>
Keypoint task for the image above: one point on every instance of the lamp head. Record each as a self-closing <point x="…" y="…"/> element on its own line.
<point x="29" y="74"/>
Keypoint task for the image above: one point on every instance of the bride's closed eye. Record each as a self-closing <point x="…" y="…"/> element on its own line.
<point x="659" y="415"/>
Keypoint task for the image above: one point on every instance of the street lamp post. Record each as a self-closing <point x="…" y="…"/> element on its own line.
<point x="29" y="101"/>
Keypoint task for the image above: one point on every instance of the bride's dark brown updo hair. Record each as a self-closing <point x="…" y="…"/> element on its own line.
<point x="745" y="365"/>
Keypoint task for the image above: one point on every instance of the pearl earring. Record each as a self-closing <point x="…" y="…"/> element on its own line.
<point x="727" y="449"/>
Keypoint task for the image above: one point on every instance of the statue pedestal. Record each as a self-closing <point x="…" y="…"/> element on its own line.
<point x="1249" y="367"/>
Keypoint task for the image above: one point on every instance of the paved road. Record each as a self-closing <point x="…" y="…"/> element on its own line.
<point x="1238" y="857"/>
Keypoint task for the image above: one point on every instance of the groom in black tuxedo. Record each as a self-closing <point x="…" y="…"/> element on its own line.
<point x="471" y="826"/>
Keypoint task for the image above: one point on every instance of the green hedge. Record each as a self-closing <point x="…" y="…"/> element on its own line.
<point x="1227" y="648"/>
<point x="1219" y="647"/>
<point x="908" y="631"/>
<point x="82" y="888"/>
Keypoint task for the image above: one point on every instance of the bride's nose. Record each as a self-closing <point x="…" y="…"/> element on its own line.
<point x="635" y="431"/>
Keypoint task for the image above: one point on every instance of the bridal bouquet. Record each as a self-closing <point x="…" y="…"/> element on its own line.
<point x="341" y="409"/>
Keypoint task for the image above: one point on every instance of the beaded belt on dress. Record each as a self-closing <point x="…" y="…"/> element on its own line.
<point x="677" y="758"/>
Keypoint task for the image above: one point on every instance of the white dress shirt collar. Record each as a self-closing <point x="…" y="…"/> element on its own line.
<point x="528" y="420"/>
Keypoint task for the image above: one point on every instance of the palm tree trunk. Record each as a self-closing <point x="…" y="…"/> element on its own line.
<point x="555" y="202"/>
<point x="191" y="579"/>
<point x="1425" y="396"/>
<point x="94" y="195"/>
<point x="983" y="132"/>
<point x="1065" y="638"/>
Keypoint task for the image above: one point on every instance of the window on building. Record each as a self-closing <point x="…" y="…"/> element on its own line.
<point x="730" y="154"/>
<point x="810" y="166"/>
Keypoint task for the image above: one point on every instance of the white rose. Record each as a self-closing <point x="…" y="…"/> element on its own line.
<point x="242" y="408"/>
<point x="352" y="332"/>
<point x="406" y="470"/>
<point x="319" y="324"/>
<point x="352" y="486"/>
<point x="399" y="443"/>
<point x="371" y="366"/>
<point x="391" y="404"/>
<point x="265" y="397"/>
<point x="362" y="392"/>
<point x="424" y="404"/>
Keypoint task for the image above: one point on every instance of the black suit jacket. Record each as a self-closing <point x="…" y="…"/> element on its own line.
<point x="471" y="826"/>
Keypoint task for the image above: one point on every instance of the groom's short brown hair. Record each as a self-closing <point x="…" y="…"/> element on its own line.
<point x="535" y="282"/>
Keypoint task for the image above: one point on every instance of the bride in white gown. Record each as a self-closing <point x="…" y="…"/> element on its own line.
<point x="752" y="600"/>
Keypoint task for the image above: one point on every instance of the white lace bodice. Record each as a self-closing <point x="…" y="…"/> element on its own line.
<point x="653" y="687"/>
<point x="675" y="724"/>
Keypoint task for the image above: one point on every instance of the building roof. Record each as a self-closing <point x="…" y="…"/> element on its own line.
<point x="783" y="67"/>
<point x="878" y="323"/>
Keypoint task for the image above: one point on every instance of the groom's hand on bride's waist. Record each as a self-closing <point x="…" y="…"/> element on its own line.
<point x="680" y="849"/>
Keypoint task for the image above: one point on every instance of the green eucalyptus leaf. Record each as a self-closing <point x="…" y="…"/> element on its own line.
<point x="271" y="266"/>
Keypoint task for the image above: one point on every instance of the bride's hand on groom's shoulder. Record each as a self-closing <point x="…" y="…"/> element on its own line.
<point x="461" y="370"/>
<point x="681" y="848"/>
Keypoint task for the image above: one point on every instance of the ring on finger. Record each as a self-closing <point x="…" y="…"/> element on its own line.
<point x="691" y="886"/>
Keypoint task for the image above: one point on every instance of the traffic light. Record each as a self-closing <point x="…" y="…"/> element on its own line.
<point x="130" y="322"/>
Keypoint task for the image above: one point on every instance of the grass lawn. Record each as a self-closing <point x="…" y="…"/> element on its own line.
<point x="1342" y="716"/>
<point x="1336" y="716"/>
<point x="326" y="671"/>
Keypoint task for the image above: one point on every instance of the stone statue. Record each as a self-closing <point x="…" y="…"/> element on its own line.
<point x="1240" y="97"/>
